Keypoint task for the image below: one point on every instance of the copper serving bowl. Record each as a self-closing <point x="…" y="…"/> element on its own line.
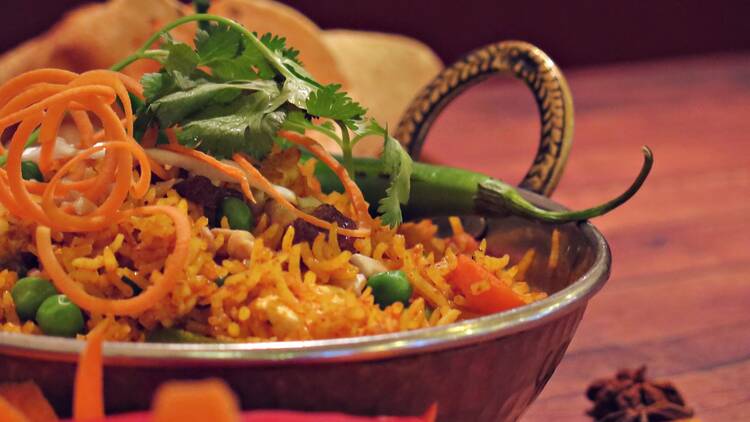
<point x="484" y="369"/>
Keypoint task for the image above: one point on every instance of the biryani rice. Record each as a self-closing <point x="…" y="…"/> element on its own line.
<point x="284" y="291"/>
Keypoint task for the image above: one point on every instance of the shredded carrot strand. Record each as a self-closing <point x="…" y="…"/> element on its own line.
<point x="105" y="92"/>
<point x="105" y="213"/>
<point x="230" y="171"/>
<point x="132" y="85"/>
<point x="84" y="126"/>
<point x="48" y="135"/>
<point x="43" y="106"/>
<point x="173" y="268"/>
<point x="351" y="188"/>
<point x="171" y="137"/>
<point x="21" y="83"/>
<point x="7" y="199"/>
<point x="263" y="184"/>
<point x="88" y="393"/>
<point x="33" y="94"/>
<point x="109" y="78"/>
<point x="252" y="175"/>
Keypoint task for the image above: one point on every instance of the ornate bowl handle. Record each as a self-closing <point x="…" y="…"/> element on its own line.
<point x="536" y="70"/>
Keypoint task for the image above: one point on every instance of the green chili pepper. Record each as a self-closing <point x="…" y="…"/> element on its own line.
<point x="439" y="190"/>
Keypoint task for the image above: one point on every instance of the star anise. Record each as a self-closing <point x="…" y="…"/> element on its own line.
<point x="630" y="397"/>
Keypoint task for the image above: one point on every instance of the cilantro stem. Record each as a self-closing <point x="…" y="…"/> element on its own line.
<point x="327" y="132"/>
<point x="346" y="147"/>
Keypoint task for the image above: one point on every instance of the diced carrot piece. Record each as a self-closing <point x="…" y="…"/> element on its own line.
<point x="207" y="400"/>
<point x="27" y="398"/>
<point x="484" y="292"/>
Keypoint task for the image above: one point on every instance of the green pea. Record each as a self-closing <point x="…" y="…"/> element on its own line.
<point x="58" y="316"/>
<point x="28" y="294"/>
<point x="238" y="214"/>
<point x="389" y="287"/>
<point x="30" y="171"/>
<point x="220" y="281"/>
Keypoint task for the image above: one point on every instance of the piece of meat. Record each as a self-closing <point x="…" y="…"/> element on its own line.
<point x="200" y="190"/>
<point x="304" y="231"/>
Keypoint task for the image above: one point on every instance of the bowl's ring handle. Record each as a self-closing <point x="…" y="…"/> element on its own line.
<point x="525" y="62"/>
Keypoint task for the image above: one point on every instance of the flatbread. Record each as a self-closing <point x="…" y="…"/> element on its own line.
<point x="93" y="36"/>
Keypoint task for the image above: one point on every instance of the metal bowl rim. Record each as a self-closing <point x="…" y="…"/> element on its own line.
<point x="345" y="349"/>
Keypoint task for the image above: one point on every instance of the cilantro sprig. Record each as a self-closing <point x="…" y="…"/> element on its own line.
<point x="235" y="90"/>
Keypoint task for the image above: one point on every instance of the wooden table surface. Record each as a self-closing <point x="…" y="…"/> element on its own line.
<point x="678" y="299"/>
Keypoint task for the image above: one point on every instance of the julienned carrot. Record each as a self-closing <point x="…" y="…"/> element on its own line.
<point x="105" y="92"/>
<point x="266" y="186"/>
<point x="7" y="199"/>
<point x="105" y="213"/>
<point x="22" y="82"/>
<point x="84" y="126"/>
<point x="132" y="85"/>
<point x="109" y="78"/>
<point x="484" y="292"/>
<point x="231" y="172"/>
<point x="351" y="188"/>
<point x="88" y="393"/>
<point x="93" y="92"/>
<point x="171" y="137"/>
<point x="48" y="136"/>
<point x="31" y="95"/>
<point x="173" y="268"/>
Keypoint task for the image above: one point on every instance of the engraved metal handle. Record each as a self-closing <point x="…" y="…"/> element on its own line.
<point x="525" y="62"/>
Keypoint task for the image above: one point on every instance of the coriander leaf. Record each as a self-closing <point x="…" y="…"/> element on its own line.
<point x="249" y="64"/>
<point x="181" y="57"/>
<point x="157" y="85"/>
<point x="244" y="125"/>
<point x="363" y="128"/>
<point x="278" y="45"/>
<point x="173" y="108"/>
<point x="153" y="84"/>
<point x="217" y="43"/>
<point x="397" y="163"/>
<point x="177" y="106"/>
<point x="328" y="102"/>
<point x="390" y="209"/>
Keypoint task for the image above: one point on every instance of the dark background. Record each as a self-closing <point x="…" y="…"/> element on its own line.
<point x="574" y="32"/>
